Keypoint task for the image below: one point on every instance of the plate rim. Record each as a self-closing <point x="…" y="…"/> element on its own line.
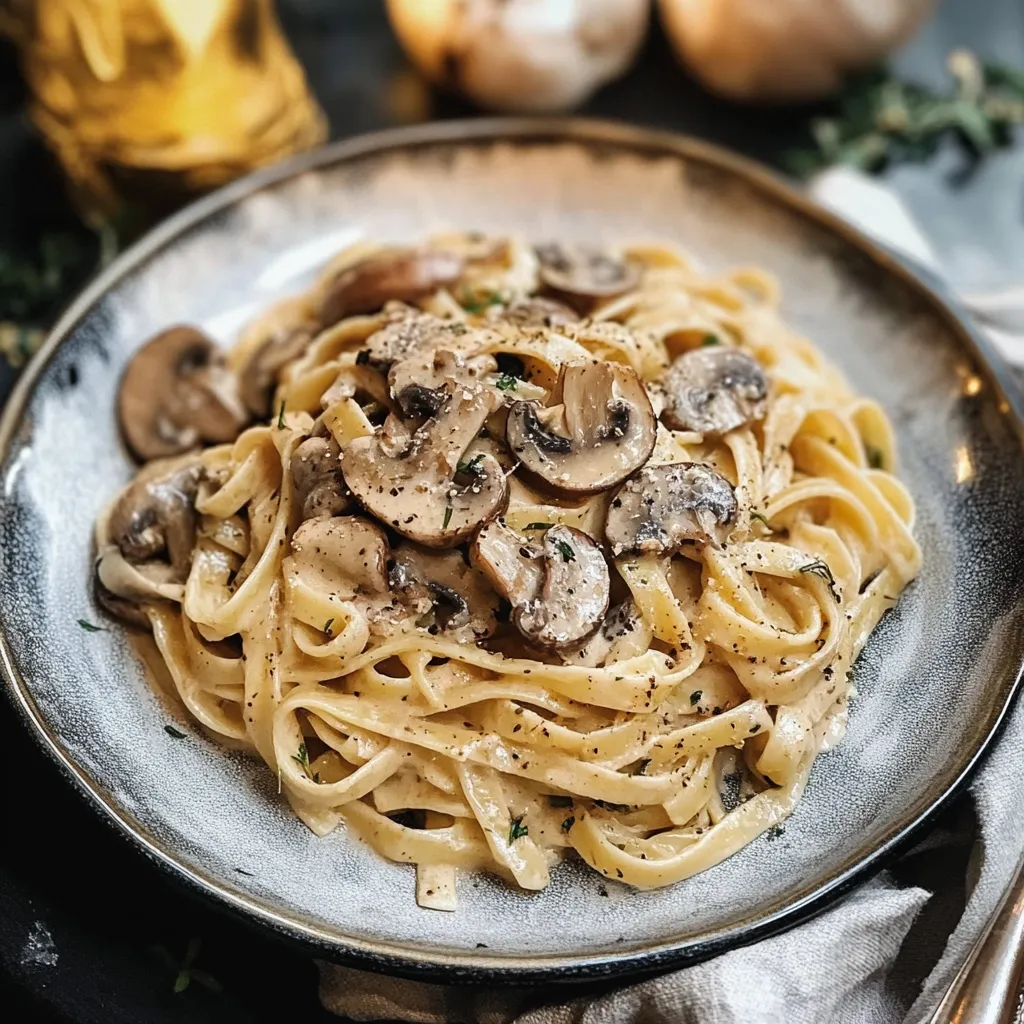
<point x="470" y="967"/>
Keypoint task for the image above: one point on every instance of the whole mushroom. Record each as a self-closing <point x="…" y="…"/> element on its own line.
<point x="530" y="55"/>
<point x="714" y="390"/>
<point x="582" y="277"/>
<point x="602" y="430"/>
<point x="559" y="588"/>
<point x="177" y="393"/>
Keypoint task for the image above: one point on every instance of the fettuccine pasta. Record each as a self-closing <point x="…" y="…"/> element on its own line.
<point x="497" y="553"/>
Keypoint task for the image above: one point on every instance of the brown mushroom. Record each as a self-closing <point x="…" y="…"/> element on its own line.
<point x="406" y="275"/>
<point x="558" y="588"/>
<point x="536" y="311"/>
<point x="602" y="430"/>
<point x="319" y="484"/>
<point x="450" y="596"/>
<point x="623" y="627"/>
<point x="417" y="382"/>
<point x="713" y="390"/>
<point x="418" y="484"/>
<point x="582" y="277"/>
<point x="177" y="393"/>
<point x="661" y="507"/>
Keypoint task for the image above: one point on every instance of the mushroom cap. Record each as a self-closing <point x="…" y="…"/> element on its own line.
<point x="660" y="507"/>
<point x="417" y="382"/>
<point x="155" y="516"/>
<point x="582" y="276"/>
<point x="713" y="390"/>
<point x="176" y="393"/>
<point x="406" y="275"/>
<point x="603" y="430"/>
<point x="319" y="484"/>
<point x="347" y="555"/>
<point x="442" y="586"/>
<point x="412" y="481"/>
<point x="404" y="332"/>
<point x="559" y="588"/>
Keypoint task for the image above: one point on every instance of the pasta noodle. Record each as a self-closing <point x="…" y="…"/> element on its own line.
<point x="534" y="551"/>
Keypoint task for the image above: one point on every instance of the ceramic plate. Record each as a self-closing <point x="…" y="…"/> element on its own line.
<point x="933" y="682"/>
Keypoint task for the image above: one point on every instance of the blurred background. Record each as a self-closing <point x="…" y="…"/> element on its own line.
<point x="113" y="113"/>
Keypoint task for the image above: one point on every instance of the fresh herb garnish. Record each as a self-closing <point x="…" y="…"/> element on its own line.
<point x="761" y="519"/>
<point x="280" y="417"/>
<point x="822" y="571"/>
<point x="696" y="696"/>
<point x="710" y="339"/>
<point x="171" y="731"/>
<point x="875" y="456"/>
<point x="881" y="120"/>
<point x="89" y="627"/>
<point x="641" y="768"/>
<point x="447" y="516"/>
<point x="472" y="466"/>
<point x="556" y="800"/>
<point x="302" y="758"/>
<point x="327" y="627"/>
<point x="517" y="830"/>
<point x="478" y="303"/>
<point x="538" y="526"/>
<point x="566" y="551"/>
<point x="568" y="823"/>
<point x="506" y="382"/>
<point x="185" y="973"/>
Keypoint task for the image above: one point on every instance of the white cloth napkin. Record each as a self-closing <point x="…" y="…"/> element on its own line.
<point x="851" y="964"/>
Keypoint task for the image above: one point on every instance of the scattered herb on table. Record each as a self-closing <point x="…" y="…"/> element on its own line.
<point x="171" y="731"/>
<point x="89" y="627"/>
<point x="185" y="972"/>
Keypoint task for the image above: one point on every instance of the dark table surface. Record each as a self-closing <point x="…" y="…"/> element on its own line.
<point x="89" y="929"/>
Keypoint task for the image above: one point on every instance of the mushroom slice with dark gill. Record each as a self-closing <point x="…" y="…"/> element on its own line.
<point x="603" y="429"/>
<point x="177" y="393"/>
<point x="450" y="596"/>
<point x="582" y="277"/>
<point x="319" y="484"/>
<point x="714" y="390"/>
<point x="558" y="588"/>
<point x="406" y="275"/>
<point x="413" y="481"/>
<point x="661" y="507"/>
<point x="417" y="382"/>
<point x="146" y="547"/>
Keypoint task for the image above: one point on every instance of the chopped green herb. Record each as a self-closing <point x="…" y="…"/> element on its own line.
<point x="185" y="973"/>
<point x="302" y="758"/>
<point x="538" y="526"/>
<point x="171" y="731"/>
<point x="642" y="766"/>
<point x="506" y="382"/>
<point x="822" y="571"/>
<point x="566" y="551"/>
<point x="710" y="339"/>
<point x="696" y="696"/>
<point x="447" y="516"/>
<point x="280" y="417"/>
<point x="472" y="466"/>
<point x="478" y="303"/>
<point x="556" y="800"/>
<point x="327" y="626"/>
<point x="89" y="627"/>
<point x="517" y="830"/>
<point x="568" y="823"/>
<point x="875" y="457"/>
<point x="761" y="519"/>
<point x="242" y="871"/>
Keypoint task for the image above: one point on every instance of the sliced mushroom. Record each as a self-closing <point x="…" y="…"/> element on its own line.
<point x="582" y="276"/>
<point x="404" y="332"/>
<point x="536" y="311"/>
<point x="360" y="382"/>
<point x="714" y="390"/>
<point x="319" y="483"/>
<point x="177" y="393"/>
<point x="346" y="557"/>
<point x="663" y="506"/>
<point x="417" y="383"/>
<point x="287" y="330"/>
<point x="413" y="481"/>
<point x="453" y="596"/>
<point x="403" y="274"/>
<point x="623" y="628"/>
<point x="603" y="430"/>
<point x="558" y="588"/>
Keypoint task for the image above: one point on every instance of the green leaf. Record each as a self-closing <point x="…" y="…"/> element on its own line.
<point x="478" y="303"/>
<point x="171" y="731"/>
<point x="761" y="519"/>
<point x="517" y="830"/>
<point x="181" y="982"/>
<point x="89" y="627"/>
<point x="710" y="339"/>
<point x="506" y="382"/>
<point x="566" y="551"/>
<point x="302" y="758"/>
<point x="447" y="515"/>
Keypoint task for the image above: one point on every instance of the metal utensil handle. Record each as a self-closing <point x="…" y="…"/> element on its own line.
<point x="987" y="988"/>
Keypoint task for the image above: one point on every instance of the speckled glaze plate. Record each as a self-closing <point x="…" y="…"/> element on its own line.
<point x="933" y="683"/>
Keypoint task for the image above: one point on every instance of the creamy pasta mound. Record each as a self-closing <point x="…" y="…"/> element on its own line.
<point x="498" y="553"/>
